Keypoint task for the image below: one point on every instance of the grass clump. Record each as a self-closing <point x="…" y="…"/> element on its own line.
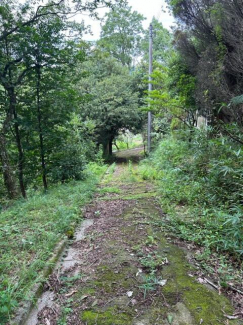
<point x="31" y="229"/>
<point x="110" y="189"/>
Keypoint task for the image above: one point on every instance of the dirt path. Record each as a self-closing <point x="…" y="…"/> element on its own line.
<point x="121" y="268"/>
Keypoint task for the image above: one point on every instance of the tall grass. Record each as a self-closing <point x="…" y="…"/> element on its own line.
<point x="31" y="229"/>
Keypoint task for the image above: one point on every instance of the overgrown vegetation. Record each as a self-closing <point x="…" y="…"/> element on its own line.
<point x="66" y="104"/>
<point x="30" y="231"/>
<point x="200" y="185"/>
<point x="196" y="100"/>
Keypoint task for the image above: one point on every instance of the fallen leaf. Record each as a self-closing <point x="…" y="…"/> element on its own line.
<point x="231" y="317"/>
<point x="83" y="297"/>
<point x="95" y="303"/>
<point x="170" y="319"/>
<point x="70" y="294"/>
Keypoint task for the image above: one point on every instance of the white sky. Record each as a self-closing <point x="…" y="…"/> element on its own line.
<point x="147" y="8"/>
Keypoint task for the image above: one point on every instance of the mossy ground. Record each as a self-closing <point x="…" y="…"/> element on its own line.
<point x="125" y="260"/>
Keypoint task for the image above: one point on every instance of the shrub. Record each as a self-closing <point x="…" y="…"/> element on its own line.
<point x="205" y="177"/>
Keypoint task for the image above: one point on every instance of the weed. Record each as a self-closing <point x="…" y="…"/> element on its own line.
<point x="130" y="175"/>
<point x="152" y="262"/>
<point x="69" y="281"/>
<point x="7" y="304"/>
<point x="128" y="141"/>
<point x="65" y="312"/>
<point x="150" y="241"/>
<point x="112" y="168"/>
<point x="149" y="283"/>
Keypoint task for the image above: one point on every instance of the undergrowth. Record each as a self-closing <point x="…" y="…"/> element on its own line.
<point x="31" y="229"/>
<point x="200" y="188"/>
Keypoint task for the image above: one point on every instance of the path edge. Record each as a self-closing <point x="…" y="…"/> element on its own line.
<point x="23" y="312"/>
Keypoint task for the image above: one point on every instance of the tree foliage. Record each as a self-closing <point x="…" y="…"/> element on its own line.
<point x="112" y="104"/>
<point x="121" y="33"/>
<point x="40" y="46"/>
<point x="162" y="43"/>
<point x="210" y="43"/>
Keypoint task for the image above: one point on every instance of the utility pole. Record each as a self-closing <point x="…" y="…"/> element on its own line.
<point x="150" y="83"/>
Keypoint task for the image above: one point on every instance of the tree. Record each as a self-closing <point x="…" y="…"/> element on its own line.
<point x="162" y="43"/>
<point x="15" y="33"/>
<point x="111" y="102"/>
<point x="172" y="96"/>
<point x="121" y="33"/>
<point x="47" y="51"/>
<point x="20" y="55"/>
<point x="210" y="43"/>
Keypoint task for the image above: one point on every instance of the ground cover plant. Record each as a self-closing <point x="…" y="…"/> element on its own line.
<point x="31" y="229"/>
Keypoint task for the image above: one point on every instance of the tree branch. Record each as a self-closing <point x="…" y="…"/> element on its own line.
<point x="9" y="64"/>
<point x="36" y="16"/>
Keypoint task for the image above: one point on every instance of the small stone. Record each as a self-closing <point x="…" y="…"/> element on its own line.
<point x="162" y="283"/>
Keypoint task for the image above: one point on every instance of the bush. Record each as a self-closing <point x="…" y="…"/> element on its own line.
<point x="68" y="164"/>
<point x="204" y="177"/>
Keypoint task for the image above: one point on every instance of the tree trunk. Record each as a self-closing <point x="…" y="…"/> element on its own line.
<point x="42" y="150"/>
<point x="107" y="149"/>
<point x="110" y="147"/>
<point x="12" y="108"/>
<point x="8" y="176"/>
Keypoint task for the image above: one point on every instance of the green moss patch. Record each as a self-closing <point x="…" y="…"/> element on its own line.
<point x="202" y="302"/>
<point x="111" y="316"/>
